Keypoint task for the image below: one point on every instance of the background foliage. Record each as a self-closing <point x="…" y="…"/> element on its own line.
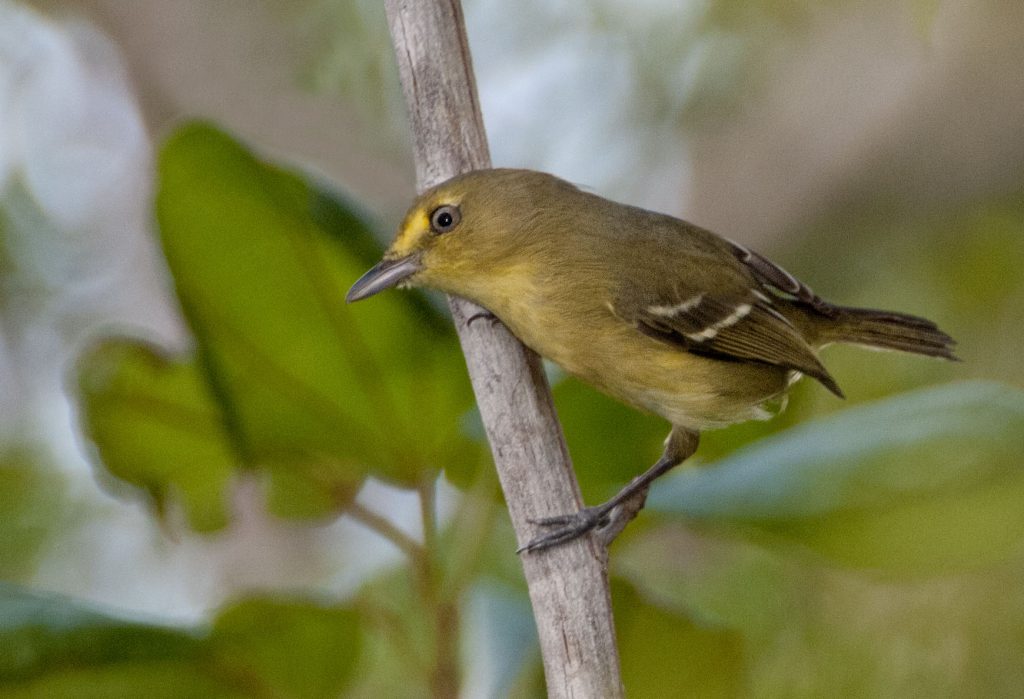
<point x="872" y="548"/>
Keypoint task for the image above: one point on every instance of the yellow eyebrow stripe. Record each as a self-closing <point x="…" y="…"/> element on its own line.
<point x="415" y="225"/>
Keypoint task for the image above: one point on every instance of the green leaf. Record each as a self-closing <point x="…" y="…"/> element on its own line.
<point x="286" y="379"/>
<point x="33" y="507"/>
<point x="810" y="628"/>
<point x="286" y="648"/>
<point x="303" y="376"/>
<point x="718" y="580"/>
<point x="610" y="443"/>
<point x="402" y="649"/>
<point x="155" y="424"/>
<point x="665" y="654"/>
<point x="926" y="481"/>
<point x="54" y="646"/>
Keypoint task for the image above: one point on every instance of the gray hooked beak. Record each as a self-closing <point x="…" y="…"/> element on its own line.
<point x="383" y="275"/>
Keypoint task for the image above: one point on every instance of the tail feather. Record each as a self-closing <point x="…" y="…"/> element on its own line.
<point x="890" y="330"/>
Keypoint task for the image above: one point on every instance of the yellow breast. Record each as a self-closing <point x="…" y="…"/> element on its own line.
<point x="589" y="341"/>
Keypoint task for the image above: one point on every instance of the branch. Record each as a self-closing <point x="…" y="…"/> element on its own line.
<point x="387" y="529"/>
<point x="568" y="584"/>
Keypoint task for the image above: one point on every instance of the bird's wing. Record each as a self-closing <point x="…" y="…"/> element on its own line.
<point x="740" y="323"/>
<point x="774" y="278"/>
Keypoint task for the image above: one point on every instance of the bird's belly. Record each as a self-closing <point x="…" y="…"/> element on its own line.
<point x="697" y="392"/>
<point x="686" y="389"/>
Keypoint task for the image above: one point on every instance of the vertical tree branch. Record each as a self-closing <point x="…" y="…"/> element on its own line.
<point x="568" y="584"/>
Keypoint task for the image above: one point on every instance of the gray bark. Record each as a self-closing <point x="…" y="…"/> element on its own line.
<point x="568" y="584"/>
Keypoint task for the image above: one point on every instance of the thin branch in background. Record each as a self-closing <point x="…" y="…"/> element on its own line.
<point x="384" y="527"/>
<point x="428" y="511"/>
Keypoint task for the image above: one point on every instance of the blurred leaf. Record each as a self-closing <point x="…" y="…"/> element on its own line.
<point x="666" y="655"/>
<point x="717" y="579"/>
<point x="810" y="629"/>
<point x="286" y="649"/>
<point x="302" y="374"/>
<point x="286" y="377"/>
<point x="610" y="443"/>
<point x="924" y="481"/>
<point x="33" y="507"/>
<point x="401" y="646"/>
<point x="862" y="456"/>
<point x="53" y="646"/>
<point x="156" y="425"/>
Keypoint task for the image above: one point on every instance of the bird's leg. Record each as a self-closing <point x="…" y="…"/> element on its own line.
<point x="621" y="515"/>
<point x="611" y="517"/>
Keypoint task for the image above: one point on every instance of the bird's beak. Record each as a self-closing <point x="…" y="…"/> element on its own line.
<point x="383" y="275"/>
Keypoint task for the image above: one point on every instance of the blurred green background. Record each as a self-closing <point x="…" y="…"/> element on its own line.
<point x="218" y="480"/>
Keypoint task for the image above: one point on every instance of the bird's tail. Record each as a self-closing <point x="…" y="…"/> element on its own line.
<point x="889" y="330"/>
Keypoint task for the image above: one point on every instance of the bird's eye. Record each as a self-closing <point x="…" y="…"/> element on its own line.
<point x="445" y="218"/>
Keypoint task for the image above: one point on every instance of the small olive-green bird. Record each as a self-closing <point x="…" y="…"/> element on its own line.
<point x="657" y="312"/>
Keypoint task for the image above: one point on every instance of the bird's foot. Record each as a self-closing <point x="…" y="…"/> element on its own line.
<point x="569" y="527"/>
<point x="610" y="518"/>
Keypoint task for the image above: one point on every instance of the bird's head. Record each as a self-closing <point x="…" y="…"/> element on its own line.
<point x="466" y="234"/>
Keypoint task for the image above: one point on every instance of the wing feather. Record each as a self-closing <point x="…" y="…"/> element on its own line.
<point x="709" y="296"/>
<point x="741" y="327"/>
<point x="778" y="279"/>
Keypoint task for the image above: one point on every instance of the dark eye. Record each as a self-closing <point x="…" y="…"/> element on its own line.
<point x="445" y="218"/>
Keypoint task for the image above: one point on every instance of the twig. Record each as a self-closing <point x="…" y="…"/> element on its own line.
<point x="568" y="583"/>
<point x="383" y="526"/>
<point x="444" y="676"/>
<point x="428" y="512"/>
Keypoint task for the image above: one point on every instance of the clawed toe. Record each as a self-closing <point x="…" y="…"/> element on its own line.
<point x="481" y="315"/>
<point x="556" y="521"/>
<point x="611" y="517"/>
<point x="569" y="528"/>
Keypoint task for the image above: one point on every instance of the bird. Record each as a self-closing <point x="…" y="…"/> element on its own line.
<point x="650" y="309"/>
